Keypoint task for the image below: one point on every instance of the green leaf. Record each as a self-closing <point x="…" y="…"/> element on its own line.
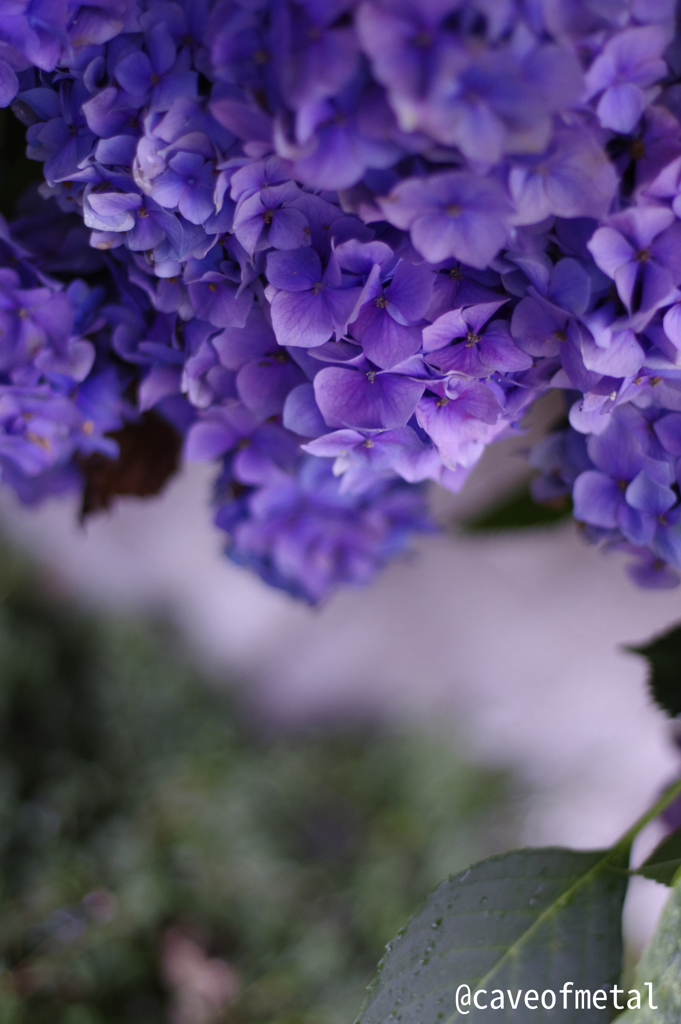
<point x="664" y="861"/>
<point x="660" y="966"/>
<point x="532" y="919"/>
<point x="664" y="657"/>
<point x="520" y="512"/>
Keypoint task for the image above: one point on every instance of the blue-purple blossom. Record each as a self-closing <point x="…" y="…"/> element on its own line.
<point x="301" y="534"/>
<point x="640" y="250"/>
<point x="453" y="214"/>
<point x="342" y="247"/>
<point x="311" y="303"/>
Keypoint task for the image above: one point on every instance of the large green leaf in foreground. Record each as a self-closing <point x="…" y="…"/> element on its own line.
<point x="532" y="919"/>
<point x="661" y="966"/>
<point x="664" y="861"/>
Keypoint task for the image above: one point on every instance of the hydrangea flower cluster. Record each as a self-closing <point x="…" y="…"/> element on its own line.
<point x="60" y="394"/>
<point x="357" y="239"/>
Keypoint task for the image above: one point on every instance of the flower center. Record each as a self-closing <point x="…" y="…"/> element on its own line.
<point x="442" y="401"/>
<point x="368" y="443"/>
<point x="381" y="301"/>
<point x="453" y="210"/>
<point x="317" y="288"/>
<point x="371" y="376"/>
<point x="643" y="255"/>
<point x="637" y="149"/>
<point x="560" y="335"/>
<point x="42" y="442"/>
<point x="472" y="339"/>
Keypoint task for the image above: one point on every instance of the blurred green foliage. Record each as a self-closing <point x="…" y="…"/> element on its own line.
<point x="519" y="511"/>
<point x="135" y="799"/>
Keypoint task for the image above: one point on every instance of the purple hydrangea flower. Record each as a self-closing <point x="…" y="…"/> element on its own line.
<point x="454" y="214"/>
<point x="311" y="303"/>
<point x="640" y="250"/>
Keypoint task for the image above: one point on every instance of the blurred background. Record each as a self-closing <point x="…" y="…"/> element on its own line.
<point x="217" y="804"/>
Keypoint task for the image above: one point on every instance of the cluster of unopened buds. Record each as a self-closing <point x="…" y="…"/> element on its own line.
<point x="341" y="246"/>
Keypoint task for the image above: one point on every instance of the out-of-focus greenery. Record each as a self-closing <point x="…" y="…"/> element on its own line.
<point x="136" y="799"/>
<point x="519" y="511"/>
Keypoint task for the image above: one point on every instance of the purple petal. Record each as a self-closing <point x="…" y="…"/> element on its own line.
<point x="160" y="382"/>
<point x="620" y="107"/>
<point x="116" y="151"/>
<point x="657" y="287"/>
<point x="172" y="88"/>
<point x="352" y="398"/>
<point x="666" y="249"/>
<point x="196" y="204"/>
<point x="9" y="84"/>
<point x="263" y="384"/>
<point x="460" y="427"/>
<point x="237" y="346"/>
<point x="342" y="305"/>
<point x="287" y="230"/>
<point x="638" y="527"/>
<point x="162" y="51"/>
<point x="219" y="303"/>
<point x="188" y="165"/>
<point x="570" y="286"/>
<point x="619" y="450"/>
<point x="410" y="290"/>
<point x="476" y="316"/>
<point x="108" y="204"/>
<point x="446" y="328"/>
<point x="463" y="357"/>
<point x="668" y="430"/>
<point x="385" y="342"/>
<point x="610" y="250"/>
<point x="167" y="189"/>
<point x="301" y="414"/>
<point x="296" y="270"/>
<point x="208" y="439"/>
<point x="301" y="318"/>
<point x="499" y="352"/>
<point x="647" y="495"/>
<point x="134" y="74"/>
<point x="330" y="446"/>
<point x="624" y="357"/>
<point x="667" y="544"/>
<point x="471" y="237"/>
<point x="245" y="122"/>
<point x="596" y="499"/>
<point x="537" y="328"/>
